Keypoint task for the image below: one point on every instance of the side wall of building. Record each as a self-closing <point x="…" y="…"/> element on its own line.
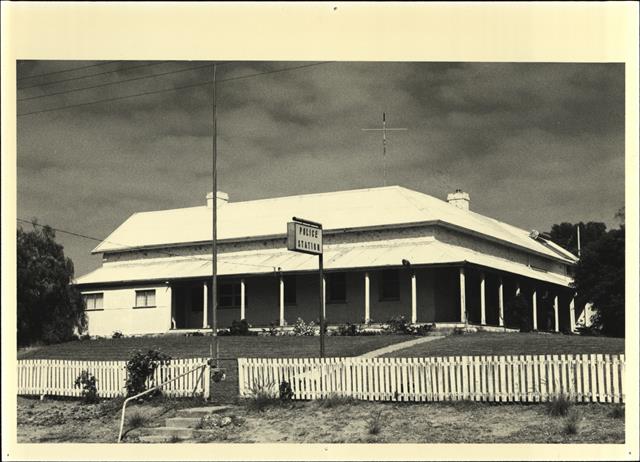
<point x="120" y="314"/>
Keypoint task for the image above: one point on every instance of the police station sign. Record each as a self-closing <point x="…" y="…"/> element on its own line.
<point x="304" y="237"/>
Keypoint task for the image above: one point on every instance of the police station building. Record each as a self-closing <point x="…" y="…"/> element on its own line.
<point x="387" y="252"/>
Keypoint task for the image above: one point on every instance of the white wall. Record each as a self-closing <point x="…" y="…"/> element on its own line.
<point x="119" y="314"/>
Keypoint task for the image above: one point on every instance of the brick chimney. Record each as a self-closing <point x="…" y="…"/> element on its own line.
<point x="459" y="199"/>
<point x="221" y="199"/>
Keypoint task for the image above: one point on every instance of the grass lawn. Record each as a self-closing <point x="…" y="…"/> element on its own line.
<point x="180" y="346"/>
<point x="489" y="343"/>
<point x="54" y="421"/>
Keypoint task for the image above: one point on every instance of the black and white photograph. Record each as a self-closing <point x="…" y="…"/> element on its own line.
<point x="321" y="251"/>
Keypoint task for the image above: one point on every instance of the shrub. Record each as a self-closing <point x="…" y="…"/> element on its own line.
<point x="272" y="330"/>
<point x="348" y="330"/>
<point x="87" y="382"/>
<point x="590" y="331"/>
<point x="571" y="425"/>
<point x="617" y="412"/>
<point x="286" y="393"/>
<point x="117" y="334"/>
<point x="558" y="406"/>
<point x="136" y="420"/>
<point x="398" y="325"/>
<point x="240" y="328"/>
<point x="140" y="367"/>
<point x="84" y="337"/>
<point x="303" y="329"/>
<point x="374" y="425"/>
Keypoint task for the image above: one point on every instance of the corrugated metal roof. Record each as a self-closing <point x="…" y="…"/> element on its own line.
<point x="393" y="205"/>
<point x="352" y="256"/>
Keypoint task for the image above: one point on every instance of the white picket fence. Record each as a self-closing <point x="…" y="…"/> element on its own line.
<point x="583" y="378"/>
<point x="57" y="377"/>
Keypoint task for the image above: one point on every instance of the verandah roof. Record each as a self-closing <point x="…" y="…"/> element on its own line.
<point x="352" y="256"/>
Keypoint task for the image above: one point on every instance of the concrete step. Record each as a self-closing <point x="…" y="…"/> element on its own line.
<point x="183" y="422"/>
<point x="202" y="411"/>
<point x="169" y="432"/>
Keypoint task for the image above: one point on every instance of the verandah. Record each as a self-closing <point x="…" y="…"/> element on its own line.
<point x="441" y="294"/>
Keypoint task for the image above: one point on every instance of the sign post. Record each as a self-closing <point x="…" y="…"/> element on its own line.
<point x="306" y="236"/>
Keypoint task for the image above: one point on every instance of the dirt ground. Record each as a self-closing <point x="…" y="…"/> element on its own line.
<point x="57" y="421"/>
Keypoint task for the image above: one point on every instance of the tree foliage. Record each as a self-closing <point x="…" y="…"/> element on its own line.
<point x="599" y="278"/>
<point x="565" y="234"/>
<point x="50" y="310"/>
<point x="599" y="275"/>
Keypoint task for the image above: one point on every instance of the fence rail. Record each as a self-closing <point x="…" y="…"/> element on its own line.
<point x="526" y="378"/>
<point x="57" y="377"/>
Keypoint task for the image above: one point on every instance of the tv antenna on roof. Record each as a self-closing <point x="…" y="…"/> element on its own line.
<point x="384" y="131"/>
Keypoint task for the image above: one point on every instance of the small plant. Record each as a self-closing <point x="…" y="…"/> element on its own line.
<point x="572" y="423"/>
<point x="374" y="425"/>
<point x="194" y="334"/>
<point x="335" y="400"/>
<point x="136" y="421"/>
<point x="286" y="393"/>
<point x="459" y="330"/>
<point x="617" y="412"/>
<point x="141" y="367"/>
<point x="87" y="382"/>
<point x="117" y="334"/>
<point x="303" y="329"/>
<point x="271" y="331"/>
<point x="558" y="406"/>
<point x="174" y="439"/>
<point x="261" y="396"/>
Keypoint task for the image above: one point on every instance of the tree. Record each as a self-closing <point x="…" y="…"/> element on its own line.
<point x="599" y="278"/>
<point x="50" y="310"/>
<point x="599" y="275"/>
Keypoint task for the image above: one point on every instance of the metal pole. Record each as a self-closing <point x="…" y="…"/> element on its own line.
<point x="321" y="306"/>
<point x="384" y="148"/>
<point x="214" y="214"/>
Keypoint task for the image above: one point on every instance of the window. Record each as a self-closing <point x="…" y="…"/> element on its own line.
<point x="93" y="301"/>
<point x="289" y="290"/>
<point x="390" y="285"/>
<point x="229" y="295"/>
<point x="336" y="288"/>
<point x="145" y="298"/>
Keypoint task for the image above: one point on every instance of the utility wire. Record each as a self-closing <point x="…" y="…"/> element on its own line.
<point x="183" y="87"/>
<point x="66" y="70"/>
<point x="124" y="69"/>
<point x="128" y="247"/>
<point x="106" y="84"/>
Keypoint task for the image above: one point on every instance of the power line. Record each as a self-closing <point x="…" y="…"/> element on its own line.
<point x="66" y="70"/>
<point x="153" y="92"/>
<point x="128" y="247"/>
<point x="106" y="84"/>
<point x="156" y="63"/>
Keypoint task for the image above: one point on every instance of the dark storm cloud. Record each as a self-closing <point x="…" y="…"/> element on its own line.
<point x="528" y="141"/>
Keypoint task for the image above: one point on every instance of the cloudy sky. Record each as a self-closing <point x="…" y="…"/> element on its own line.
<point x="533" y="144"/>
